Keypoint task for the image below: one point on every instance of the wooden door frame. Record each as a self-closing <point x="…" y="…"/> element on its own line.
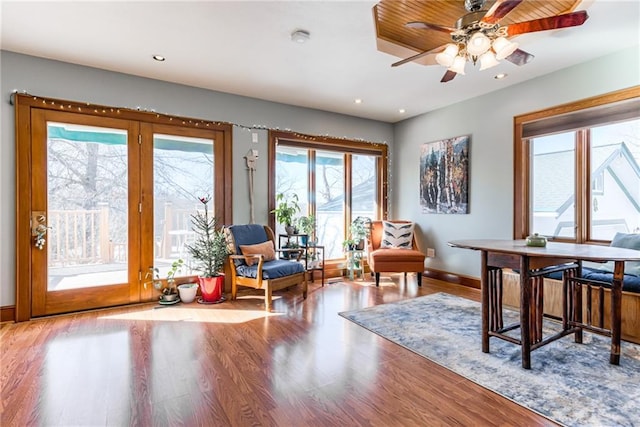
<point x="147" y="130"/>
<point x="24" y="106"/>
<point x="45" y="303"/>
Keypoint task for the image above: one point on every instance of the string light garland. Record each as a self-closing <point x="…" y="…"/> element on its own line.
<point x="88" y="107"/>
<point x="97" y="109"/>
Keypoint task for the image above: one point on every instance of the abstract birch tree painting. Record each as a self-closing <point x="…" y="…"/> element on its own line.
<point x="444" y="176"/>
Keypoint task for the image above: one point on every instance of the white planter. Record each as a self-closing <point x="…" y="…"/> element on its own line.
<point x="188" y="292"/>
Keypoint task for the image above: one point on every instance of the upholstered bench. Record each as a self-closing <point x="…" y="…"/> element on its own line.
<point x="553" y="297"/>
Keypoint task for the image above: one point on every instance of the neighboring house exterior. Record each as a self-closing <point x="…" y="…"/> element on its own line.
<point x="615" y="192"/>
<point x="363" y="200"/>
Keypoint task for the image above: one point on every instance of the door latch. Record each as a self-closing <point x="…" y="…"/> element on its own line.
<point x="39" y="228"/>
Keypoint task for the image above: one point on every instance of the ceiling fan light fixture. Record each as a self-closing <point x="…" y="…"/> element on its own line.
<point x="503" y="47"/>
<point x="458" y="65"/>
<point x="446" y="57"/>
<point x="488" y="60"/>
<point x="478" y="44"/>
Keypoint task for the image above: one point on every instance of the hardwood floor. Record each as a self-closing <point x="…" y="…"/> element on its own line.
<point x="233" y="364"/>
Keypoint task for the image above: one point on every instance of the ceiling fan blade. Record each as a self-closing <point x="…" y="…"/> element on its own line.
<point x="418" y="56"/>
<point x="499" y="10"/>
<point x="448" y="76"/>
<point x="543" y="24"/>
<point x="428" y="26"/>
<point x="520" y="57"/>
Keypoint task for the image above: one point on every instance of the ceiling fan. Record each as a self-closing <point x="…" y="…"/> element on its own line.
<point x="478" y="35"/>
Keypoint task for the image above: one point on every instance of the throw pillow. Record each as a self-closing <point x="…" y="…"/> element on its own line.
<point x="264" y="248"/>
<point x="622" y="240"/>
<point x="397" y="235"/>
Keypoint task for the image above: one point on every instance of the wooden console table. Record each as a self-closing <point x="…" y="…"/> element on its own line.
<point x="533" y="263"/>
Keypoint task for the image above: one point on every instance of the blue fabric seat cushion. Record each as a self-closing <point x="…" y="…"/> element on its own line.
<point x="621" y="240"/>
<point x="271" y="269"/>
<point x="630" y="283"/>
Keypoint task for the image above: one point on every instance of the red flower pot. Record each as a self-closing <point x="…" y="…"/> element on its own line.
<point x="211" y="288"/>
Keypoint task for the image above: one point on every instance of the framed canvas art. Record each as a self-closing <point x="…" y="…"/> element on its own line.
<point x="444" y="176"/>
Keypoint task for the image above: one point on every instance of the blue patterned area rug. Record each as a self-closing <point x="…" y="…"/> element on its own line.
<point x="571" y="384"/>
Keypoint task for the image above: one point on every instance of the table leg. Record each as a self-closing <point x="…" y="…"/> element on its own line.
<point x="495" y="299"/>
<point x="484" y="284"/>
<point x="537" y="308"/>
<point x="577" y="310"/>
<point x="616" y="312"/>
<point x="572" y="301"/>
<point x="525" y="312"/>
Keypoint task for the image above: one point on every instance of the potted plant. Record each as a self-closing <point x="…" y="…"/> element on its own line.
<point x="307" y="225"/>
<point x="285" y="210"/>
<point x="348" y="244"/>
<point x="312" y="258"/>
<point x="209" y="252"/>
<point x="292" y="252"/>
<point x="170" y="291"/>
<point x="188" y="292"/>
<point x="360" y="228"/>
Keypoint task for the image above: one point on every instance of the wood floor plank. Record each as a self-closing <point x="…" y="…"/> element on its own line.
<point x="233" y="364"/>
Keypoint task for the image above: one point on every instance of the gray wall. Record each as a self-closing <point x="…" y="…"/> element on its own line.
<point x="55" y="79"/>
<point x="489" y="121"/>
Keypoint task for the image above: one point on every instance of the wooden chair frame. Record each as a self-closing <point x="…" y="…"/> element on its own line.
<point x="258" y="282"/>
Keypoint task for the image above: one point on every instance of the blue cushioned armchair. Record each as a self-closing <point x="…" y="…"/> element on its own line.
<point x="259" y="270"/>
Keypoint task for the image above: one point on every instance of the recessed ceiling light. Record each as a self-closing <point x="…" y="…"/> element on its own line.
<point x="358" y="101"/>
<point x="159" y="58"/>
<point x="402" y="111"/>
<point x="500" y="76"/>
<point x="300" y="36"/>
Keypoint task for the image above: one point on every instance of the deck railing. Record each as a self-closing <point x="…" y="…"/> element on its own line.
<point x="82" y="236"/>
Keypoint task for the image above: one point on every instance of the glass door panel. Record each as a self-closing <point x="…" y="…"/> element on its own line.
<point x="183" y="172"/>
<point x="87" y="206"/>
<point x="85" y="195"/>
<point x="330" y="199"/>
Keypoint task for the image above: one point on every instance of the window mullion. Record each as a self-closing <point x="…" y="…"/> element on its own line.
<point x="348" y="193"/>
<point x="583" y="189"/>
<point x="312" y="183"/>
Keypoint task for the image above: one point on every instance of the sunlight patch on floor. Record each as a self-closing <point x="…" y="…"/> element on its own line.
<point x="187" y="314"/>
<point x="384" y="282"/>
<point x="258" y="297"/>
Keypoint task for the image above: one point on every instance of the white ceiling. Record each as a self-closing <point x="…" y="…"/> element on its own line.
<point x="244" y="48"/>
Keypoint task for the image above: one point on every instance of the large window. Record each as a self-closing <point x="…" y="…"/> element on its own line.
<point x="577" y="174"/>
<point x="335" y="180"/>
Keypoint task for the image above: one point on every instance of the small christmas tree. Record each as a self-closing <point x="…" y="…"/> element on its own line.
<point x="209" y="250"/>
